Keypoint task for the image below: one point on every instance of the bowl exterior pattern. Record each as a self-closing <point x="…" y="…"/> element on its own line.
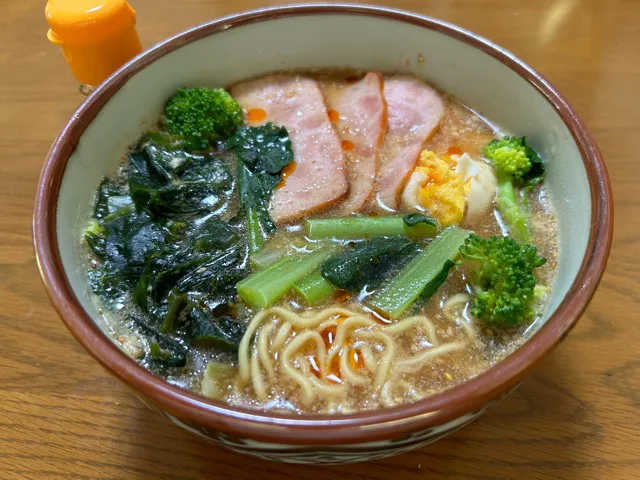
<point x="326" y="454"/>
<point x="329" y="454"/>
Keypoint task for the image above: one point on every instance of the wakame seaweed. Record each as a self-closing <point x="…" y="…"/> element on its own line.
<point x="160" y="241"/>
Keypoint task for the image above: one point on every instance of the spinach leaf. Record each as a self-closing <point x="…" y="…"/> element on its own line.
<point x="418" y="225"/>
<point x="438" y="280"/>
<point x="215" y="275"/>
<point x="368" y="263"/>
<point x="127" y="239"/>
<point x="130" y="238"/>
<point x="262" y="154"/>
<point x="415" y="218"/>
<point x="179" y="266"/>
<point x="254" y="189"/>
<point x="262" y="149"/>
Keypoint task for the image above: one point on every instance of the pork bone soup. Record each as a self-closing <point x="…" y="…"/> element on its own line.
<point x="322" y="243"/>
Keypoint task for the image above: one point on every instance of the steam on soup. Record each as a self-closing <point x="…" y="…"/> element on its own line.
<point x="322" y="243"/>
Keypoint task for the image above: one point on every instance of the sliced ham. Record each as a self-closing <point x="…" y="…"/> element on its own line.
<point x="359" y="113"/>
<point x="296" y="102"/>
<point x="415" y="111"/>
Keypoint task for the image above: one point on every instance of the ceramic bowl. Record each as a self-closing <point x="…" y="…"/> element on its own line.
<point x="483" y="76"/>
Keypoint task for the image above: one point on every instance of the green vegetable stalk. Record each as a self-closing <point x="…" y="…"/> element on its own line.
<point x="397" y="295"/>
<point x="517" y="164"/>
<point x="267" y="286"/>
<point x="512" y="212"/>
<point x="412" y="225"/>
<point x="314" y="288"/>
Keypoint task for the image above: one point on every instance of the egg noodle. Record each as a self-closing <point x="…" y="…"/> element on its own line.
<point x="326" y="353"/>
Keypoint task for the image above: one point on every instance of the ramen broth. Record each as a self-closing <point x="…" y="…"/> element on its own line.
<point x="377" y="361"/>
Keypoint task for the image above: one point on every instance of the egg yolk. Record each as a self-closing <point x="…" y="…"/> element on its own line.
<point x="443" y="194"/>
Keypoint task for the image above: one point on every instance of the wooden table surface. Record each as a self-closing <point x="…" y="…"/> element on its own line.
<point x="576" y="417"/>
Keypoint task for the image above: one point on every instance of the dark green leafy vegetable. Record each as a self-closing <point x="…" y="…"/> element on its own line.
<point x="145" y="176"/>
<point x="94" y="236"/>
<point x="503" y="273"/>
<point x="185" y="199"/>
<point x="107" y="189"/>
<point x="213" y="282"/>
<point x="262" y="154"/>
<point x="398" y="294"/>
<point x="178" y="267"/>
<point x="162" y="241"/>
<point x="437" y="281"/>
<point x="178" y="307"/>
<point x="129" y="240"/>
<point x="419" y="219"/>
<point x="211" y="170"/>
<point x="222" y="332"/>
<point x="164" y="352"/>
<point x="213" y="234"/>
<point x="368" y="263"/>
<point x="263" y="149"/>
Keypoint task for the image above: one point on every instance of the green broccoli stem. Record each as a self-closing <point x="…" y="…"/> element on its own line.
<point x="314" y="287"/>
<point x="365" y="227"/>
<point x="254" y="230"/>
<point x="265" y="287"/>
<point x="512" y="212"/>
<point x="397" y="295"/>
<point x="267" y="256"/>
<point x="274" y="251"/>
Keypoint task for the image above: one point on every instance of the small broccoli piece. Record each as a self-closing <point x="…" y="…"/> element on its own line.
<point x="502" y="272"/>
<point x="517" y="164"/>
<point x="514" y="157"/>
<point x="200" y="116"/>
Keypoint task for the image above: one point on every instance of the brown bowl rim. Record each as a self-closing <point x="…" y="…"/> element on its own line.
<point x="396" y="422"/>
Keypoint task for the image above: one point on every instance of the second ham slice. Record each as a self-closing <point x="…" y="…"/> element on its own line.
<point x="296" y="103"/>
<point x="415" y="111"/>
<point x="359" y="113"/>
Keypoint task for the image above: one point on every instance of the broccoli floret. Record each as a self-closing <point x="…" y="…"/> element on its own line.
<point x="200" y="116"/>
<point x="502" y="273"/>
<point x="509" y="156"/>
<point x="517" y="164"/>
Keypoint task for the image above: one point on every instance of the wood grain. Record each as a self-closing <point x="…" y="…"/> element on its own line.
<point x="577" y="417"/>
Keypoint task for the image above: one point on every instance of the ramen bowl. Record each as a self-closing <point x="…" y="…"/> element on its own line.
<point x="480" y="74"/>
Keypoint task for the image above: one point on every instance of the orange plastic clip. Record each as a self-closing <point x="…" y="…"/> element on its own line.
<point x="96" y="36"/>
